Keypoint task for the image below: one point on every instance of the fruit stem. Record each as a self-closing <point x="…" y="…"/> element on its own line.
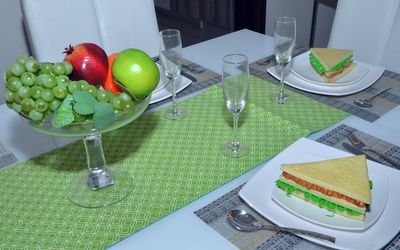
<point x="69" y="50"/>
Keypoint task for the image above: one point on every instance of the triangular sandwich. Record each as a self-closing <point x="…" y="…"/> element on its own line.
<point x="339" y="185"/>
<point x="332" y="64"/>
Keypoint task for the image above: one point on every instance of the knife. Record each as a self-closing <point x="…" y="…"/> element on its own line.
<point x="357" y="151"/>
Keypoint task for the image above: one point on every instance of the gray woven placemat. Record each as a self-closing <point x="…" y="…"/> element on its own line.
<point x="382" y="104"/>
<point x="6" y="156"/>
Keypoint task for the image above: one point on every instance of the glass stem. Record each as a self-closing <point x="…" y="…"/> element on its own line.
<point x="235" y="142"/>
<point x="282" y="82"/>
<point x="99" y="176"/>
<point x="174" y="105"/>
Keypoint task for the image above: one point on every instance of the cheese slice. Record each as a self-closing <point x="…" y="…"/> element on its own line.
<point x="348" y="176"/>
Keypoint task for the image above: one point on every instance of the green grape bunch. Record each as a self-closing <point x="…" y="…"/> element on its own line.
<point x="38" y="90"/>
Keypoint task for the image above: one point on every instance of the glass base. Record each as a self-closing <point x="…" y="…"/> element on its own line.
<point x="280" y="98"/>
<point x="180" y="114"/>
<point x="235" y="151"/>
<point x="83" y="195"/>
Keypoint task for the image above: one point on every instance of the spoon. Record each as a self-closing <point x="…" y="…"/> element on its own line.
<point x="367" y="103"/>
<point x="243" y="221"/>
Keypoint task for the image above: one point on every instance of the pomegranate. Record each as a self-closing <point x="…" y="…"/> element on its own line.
<point x="89" y="63"/>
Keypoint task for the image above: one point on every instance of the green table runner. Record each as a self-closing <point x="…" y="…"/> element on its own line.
<point x="306" y="112"/>
<point x="172" y="162"/>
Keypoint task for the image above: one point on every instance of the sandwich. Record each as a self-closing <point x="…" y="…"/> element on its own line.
<point x="332" y="64"/>
<point x="339" y="185"/>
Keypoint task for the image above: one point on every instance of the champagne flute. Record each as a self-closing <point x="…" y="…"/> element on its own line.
<point x="284" y="40"/>
<point x="235" y="84"/>
<point x="171" y="61"/>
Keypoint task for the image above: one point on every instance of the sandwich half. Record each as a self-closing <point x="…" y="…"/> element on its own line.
<point x="332" y="64"/>
<point x="339" y="185"/>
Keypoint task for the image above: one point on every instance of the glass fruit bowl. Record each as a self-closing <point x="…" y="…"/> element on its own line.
<point x="102" y="185"/>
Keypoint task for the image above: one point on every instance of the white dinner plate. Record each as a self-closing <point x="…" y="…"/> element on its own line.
<point x="291" y="79"/>
<point x="321" y="216"/>
<point x="257" y="192"/>
<point x="164" y="88"/>
<point x="301" y="66"/>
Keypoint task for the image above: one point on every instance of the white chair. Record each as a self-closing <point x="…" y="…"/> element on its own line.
<point x="114" y="25"/>
<point x="371" y="28"/>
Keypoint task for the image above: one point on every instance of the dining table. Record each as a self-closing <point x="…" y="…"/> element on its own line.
<point x="185" y="217"/>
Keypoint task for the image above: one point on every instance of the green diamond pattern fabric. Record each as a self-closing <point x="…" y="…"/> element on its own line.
<point x="306" y="112"/>
<point x="172" y="163"/>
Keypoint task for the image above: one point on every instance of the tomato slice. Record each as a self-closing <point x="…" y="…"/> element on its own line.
<point x="323" y="190"/>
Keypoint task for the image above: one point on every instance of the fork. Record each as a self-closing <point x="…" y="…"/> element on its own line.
<point x="361" y="145"/>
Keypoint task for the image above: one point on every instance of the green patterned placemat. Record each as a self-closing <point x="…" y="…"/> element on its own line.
<point x="172" y="162"/>
<point x="306" y="112"/>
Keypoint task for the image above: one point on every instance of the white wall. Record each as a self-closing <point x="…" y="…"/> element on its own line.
<point x="13" y="42"/>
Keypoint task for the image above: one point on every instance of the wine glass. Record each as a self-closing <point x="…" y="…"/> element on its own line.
<point x="235" y="84"/>
<point x="171" y="61"/>
<point x="284" y="40"/>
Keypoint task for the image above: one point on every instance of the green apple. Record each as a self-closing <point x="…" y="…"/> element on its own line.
<point x="136" y="71"/>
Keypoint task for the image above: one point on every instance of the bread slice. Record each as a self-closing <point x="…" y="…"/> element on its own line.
<point x="348" y="176"/>
<point x="329" y="58"/>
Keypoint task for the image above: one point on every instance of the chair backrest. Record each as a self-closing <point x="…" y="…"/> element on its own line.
<point x="370" y="28"/>
<point x="114" y="25"/>
<point x="391" y="57"/>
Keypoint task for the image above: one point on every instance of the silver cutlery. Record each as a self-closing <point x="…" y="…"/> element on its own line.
<point x="354" y="150"/>
<point x="246" y="222"/>
<point x="361" y="145"/>
<point x="367" y="103"/>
